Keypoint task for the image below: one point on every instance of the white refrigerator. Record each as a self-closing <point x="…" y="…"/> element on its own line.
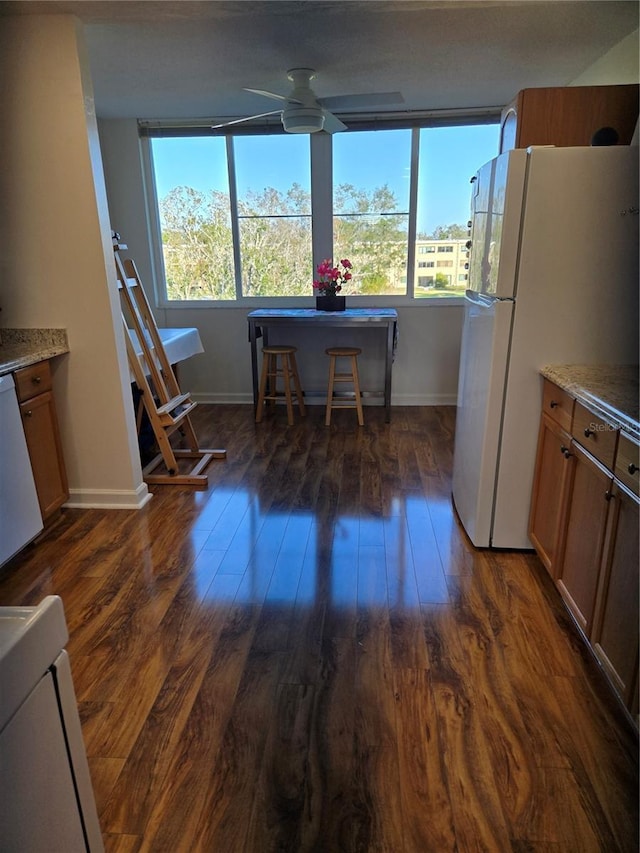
<point x="553" y="279"/>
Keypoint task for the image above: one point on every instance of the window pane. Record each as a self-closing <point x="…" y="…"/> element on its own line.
<point x="371" y="208"/>
<point x="273" y="180"/>
<point x="449" y="157"/>
<point x="193" y="200"/>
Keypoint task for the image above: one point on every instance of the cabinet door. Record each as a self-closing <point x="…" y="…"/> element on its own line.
<point x="615" y="634"/>
<point x="585" y="527"/>
<point x="45" y="451"/>
<point x="552" y="481"/>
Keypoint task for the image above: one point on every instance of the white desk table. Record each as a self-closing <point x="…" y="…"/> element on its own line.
<point x="179" y="344"/>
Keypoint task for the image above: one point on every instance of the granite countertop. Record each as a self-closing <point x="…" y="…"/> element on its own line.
<point x="608" y="389"/>
<point x="23" y="347"/>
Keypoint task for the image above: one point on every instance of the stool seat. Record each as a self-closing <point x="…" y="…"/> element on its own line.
<point x="333" y="402"/>
<point x="340" y="351"/>
<point x="271" y="372"/>
<point x="281" y="350"/>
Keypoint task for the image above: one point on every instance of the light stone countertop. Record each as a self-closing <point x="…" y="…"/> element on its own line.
<point x="24" y="347"/>
<point x="608" y="389"/>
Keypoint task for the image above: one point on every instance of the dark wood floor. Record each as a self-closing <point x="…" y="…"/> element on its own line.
<point x="310" y="656"/>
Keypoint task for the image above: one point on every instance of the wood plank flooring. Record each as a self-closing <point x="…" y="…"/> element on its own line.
<point x="310" y="656"/>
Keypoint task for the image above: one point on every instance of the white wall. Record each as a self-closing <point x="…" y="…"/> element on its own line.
<point x="56" y="263"/>
<point x="619" y="65"/>
<point x="425" y="371"/>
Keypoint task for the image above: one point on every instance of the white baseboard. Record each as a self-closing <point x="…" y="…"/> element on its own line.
<point x="212" y="397"/>
<point x="424" y="399"/>
<point x="320" y="400"/>
<point x="108" y="498"/>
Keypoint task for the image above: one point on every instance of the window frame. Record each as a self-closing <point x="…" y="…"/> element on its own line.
<point x="320" y="145"/>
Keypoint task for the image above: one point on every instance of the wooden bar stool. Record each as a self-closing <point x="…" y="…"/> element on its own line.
<point x="334" y="354"/>
<point x="269" y="379"/>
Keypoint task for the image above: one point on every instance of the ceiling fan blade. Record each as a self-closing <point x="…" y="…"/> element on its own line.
<point x="372" y="99"/>
<point x="332" y="124"/>
<point x="272" y="95"/>
<point x="240" y="120"/>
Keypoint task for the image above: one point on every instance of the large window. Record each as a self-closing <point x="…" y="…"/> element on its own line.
<point x="449" y="157"/>
<point x="371" y="176"/>
<point x="232" y="214"/>
<point x="247" y="216"/>
<point x="192" y="187"/>
<point x="273" y="185"/>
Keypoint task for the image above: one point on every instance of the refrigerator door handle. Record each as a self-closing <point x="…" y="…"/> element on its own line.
<point x="481" y="299"/>
<point x="486" y="301"/>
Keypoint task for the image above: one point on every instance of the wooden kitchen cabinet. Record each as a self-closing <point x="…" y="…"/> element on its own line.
<point x="553" y="476"/>
<point x="579" y="564"/>
<point x="593" y="449"/>
<point x="37" y="406"/>
<point x="584" y="524"/>
<point x="570" y="115"/>
<point x="552" y="481"/>
<point x="615" y="631"/>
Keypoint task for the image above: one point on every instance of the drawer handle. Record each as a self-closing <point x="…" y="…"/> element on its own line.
<point x="553" y="404"/>
<point x="632" y="468"/>
<point x="588" y="432"/>
<point x="608" y="495"/>
<point x="28" y="414"/>
<point x="565" y="452"/>
<point x="36" y="380"/>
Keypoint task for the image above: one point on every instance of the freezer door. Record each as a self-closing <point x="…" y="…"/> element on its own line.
<point x="483" y="364"/>
<point x="482" y="186"/>
<point x="496" y="214"/>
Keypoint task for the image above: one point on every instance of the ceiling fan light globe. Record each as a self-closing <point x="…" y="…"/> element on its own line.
<point x="303" y="120"/>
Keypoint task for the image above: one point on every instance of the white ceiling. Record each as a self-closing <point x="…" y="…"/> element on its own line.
<point x="187" y="59"/>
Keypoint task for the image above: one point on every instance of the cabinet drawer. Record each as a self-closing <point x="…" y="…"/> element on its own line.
<point x="558" y="404"/>
<point x="627" y="468"/>
<point x="595" y="434"/>
<point x="32" y="380"/>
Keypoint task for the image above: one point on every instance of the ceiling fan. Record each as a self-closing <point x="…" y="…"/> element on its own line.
<point x="303" y="112"/>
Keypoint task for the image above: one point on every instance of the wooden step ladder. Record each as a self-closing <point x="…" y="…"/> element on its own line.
<point x="167" y="408"/>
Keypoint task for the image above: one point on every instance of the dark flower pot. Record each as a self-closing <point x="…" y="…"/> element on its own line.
<point x="330" y="303"/>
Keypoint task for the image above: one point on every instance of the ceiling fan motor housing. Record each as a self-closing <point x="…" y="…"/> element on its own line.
<point x="302" y="119"/>
<point x="302" y="113"/>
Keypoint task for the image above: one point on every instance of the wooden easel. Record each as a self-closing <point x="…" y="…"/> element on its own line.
<point x="167" y="407"/>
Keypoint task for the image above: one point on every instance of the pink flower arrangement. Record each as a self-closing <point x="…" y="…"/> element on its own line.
<point x="330" y="279"/>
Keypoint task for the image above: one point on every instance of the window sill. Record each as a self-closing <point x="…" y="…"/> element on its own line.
<point x="305" y="302"/>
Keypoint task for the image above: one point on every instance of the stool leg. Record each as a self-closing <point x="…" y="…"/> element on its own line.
<point x="286" y="373"/>
<point x="272" y="380"/>
<point x="296" y="382"/>
<point x="332" y="371"/>
<point x="263" y="387"/>
<point x="356" y="388"/>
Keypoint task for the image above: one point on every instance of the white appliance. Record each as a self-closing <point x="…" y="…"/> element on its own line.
<point x="47" y="803"/>
<point x="553" y="279"/>
<point x="20" y="519"/>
